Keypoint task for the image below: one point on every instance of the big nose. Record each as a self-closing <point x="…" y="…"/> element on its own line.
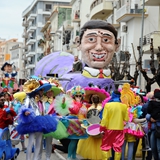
<point x="99" y="46"/>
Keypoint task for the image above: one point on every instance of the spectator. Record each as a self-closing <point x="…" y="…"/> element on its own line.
<point x="77" y="64"/>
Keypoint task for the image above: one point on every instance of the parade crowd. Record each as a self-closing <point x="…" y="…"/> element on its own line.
<point x="87" y="121"/>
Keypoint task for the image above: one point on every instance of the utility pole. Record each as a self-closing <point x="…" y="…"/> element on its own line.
<point x="141" y="45"/>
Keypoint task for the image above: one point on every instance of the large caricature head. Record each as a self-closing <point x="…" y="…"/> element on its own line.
<point x="98" y="43"/>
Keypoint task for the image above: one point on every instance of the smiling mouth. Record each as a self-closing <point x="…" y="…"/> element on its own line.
<point x="98" y="57"/>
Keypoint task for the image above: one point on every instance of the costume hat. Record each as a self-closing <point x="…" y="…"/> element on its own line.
<point x="44" y="85"/>
<point x="30" y="86"/>
<point x="94" y="90"/>
<point x="20" y="96"/>
<point x="56" y="86"/>
<point x="4" y="65"/>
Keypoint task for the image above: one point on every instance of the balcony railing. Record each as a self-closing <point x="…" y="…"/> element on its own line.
<point x="126" y="9"/>
<point x="31" y="41"/>
<point x="25" y="34"/>
<point x="147" y="37"/>
<point x="31" y="28"/>
<point x="30" y="53"/>
<point x="25" y="23"/>
<point x="31" y="17"/>
<point x="95" y="3"/>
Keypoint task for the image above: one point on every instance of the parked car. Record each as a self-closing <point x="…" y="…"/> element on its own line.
<point x="7" y="152"/>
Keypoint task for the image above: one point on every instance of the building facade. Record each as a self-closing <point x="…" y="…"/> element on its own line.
<point x="17" y="61"/>
<point x="126" y="16"/>
<point x="35" y="17"/>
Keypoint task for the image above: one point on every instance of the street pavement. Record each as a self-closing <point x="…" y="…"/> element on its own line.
<point x="58" y="155"/>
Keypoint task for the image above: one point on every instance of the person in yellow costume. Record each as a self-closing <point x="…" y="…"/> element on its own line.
<point x="129" y="98"/>
<point x="90" y="148"/>
<point x="112" y="124"/>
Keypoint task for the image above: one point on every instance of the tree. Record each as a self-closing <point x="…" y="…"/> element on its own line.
<point x="154" y="71"/>
<point x="120" y="66"/>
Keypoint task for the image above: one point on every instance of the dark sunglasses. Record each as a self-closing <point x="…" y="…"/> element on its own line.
<point x="79" y="96"/>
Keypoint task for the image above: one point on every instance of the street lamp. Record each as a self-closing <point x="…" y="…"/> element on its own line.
<point x="141" y="42"/>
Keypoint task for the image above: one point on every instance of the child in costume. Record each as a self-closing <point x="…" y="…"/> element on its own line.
<point x="90" y="148"/>
<point x="112" y="125"/>
<point x="132" y="129"/>
<point x="78" y="112"/>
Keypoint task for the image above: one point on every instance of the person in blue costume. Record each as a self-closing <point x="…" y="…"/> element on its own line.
<point x="30" y="120"/>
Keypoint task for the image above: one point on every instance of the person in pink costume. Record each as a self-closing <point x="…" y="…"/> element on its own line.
<point x="132" y="128"/>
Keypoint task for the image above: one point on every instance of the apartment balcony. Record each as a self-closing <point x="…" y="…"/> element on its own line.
<point x="47" y="12"/>
<point x="31" y="41"/>
<point x="147" y="40"/>
<point x="24" y="46"/>
<point x="67" y="25"/>
<point x="110" y="20"/>
<point x="25" y="34"/>
<point x="31" y="17"/>
<point x="31" y="29"/>
<point x="30" y="66"/>
<point x="76" y="20"/>
<point x="125" y="13"/>
<point x="25" y="23"/>
<point x="30" y="53"/>
<point x="101" y="9"/>
<point x="152" y="2"/>
<point x="23" y="57"/>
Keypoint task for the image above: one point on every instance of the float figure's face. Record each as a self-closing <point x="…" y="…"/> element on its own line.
<point x="97" y="47"/>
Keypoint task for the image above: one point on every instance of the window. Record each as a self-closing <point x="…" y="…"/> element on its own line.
<point x="48" y="7"/>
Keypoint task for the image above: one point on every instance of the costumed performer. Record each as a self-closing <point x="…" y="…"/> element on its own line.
<point x="6" y="114"/>
<point x="19" y="98"/>
<point x="73" y="122"/>
<point x="112" y="125"/>
<point x="90" y="148"/>
<point x="30" y="120"/>
<point x="132" y="128"/>
<point x="62" y="103"/>
<point x="48" y="109"/>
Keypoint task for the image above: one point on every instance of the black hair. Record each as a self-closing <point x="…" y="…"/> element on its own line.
<point x="98" y="24"/>
<point x="141" y="97"/>
<point x="1" y="94"/>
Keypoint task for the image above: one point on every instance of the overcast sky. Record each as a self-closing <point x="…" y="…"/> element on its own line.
<point x="11" y="18"/>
